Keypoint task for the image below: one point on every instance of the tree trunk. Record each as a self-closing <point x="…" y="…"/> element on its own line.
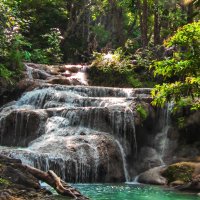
<point x="156" y="24"/>
<point x="145" y="24"/>
<point x="143" y="16"/>
<point x="140" y="18"/>
<point x="115" y="26"/>
<point x="190" y="13"/>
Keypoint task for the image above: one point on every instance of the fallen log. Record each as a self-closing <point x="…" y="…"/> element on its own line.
<point x="49" y="177"/>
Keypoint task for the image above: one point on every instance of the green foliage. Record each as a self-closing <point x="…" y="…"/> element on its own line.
<point x="117" y="66"/>
<point x="180" y="171"/>
<point x="5" y="73"/>
<point x="54" y="39"/>
<point x="144" y="58"/>
<point x="39" y="56"/>
<point x="116" y="61"/>
<point x="181" y="71"/>
<point x="18" y="19"/>
<point x="103" y="36"/>
<point x="52" y="52"/>
<point x="12" y="42"/>
<point x="181" y="122"/>
<point x="133" y="81"/>
<point x="142" y="111"/>
<point x="131" y="45"/>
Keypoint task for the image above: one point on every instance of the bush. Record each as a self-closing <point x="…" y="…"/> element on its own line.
<point x="5" y="73"/>
<point x="53" y="50"/>
<point x="180" y="71"/>
<point x="113" y="69"/>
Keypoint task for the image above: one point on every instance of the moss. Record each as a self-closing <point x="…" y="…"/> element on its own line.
<point x="179" y="171"/>
<point x="142" y="111"/>
<point x="4" y="182"/>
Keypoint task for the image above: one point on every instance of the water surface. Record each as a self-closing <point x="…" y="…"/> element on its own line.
<point x="130" y="192"/>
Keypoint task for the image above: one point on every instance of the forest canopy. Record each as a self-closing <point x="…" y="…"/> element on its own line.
<point x="132" y="31"/>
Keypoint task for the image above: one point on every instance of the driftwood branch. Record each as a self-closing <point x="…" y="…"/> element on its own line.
<point x="48" y="177"/>
<point x="54" y="181"/>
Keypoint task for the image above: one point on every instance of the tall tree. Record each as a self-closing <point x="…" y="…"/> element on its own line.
<point x="143" y="16"/>
<point x="156" y="23"/>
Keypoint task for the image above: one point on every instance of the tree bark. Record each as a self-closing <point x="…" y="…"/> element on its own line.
<point x="190" y="13"/>
<point x="145" y="23"/>
<point x="156" y="24"/>
<point x="143" y="16"/>
<point x="140" y="18"/>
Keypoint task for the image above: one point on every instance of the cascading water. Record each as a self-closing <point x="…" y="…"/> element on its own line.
<point x="124" y="161"/>
<point x="73" y="130"/>
<point x="162" y="137"/>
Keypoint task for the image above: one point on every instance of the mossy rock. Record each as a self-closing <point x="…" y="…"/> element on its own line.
<point x="179" y="172"/>
<point x="4" y="182"/>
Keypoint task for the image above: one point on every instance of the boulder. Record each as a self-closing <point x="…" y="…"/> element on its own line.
<point x="183" y="171"/>
<point x="27" y="85"/>
<point x="66" y="74"/>
<point x="40" y="74"/>
<point x="153" y="176"/>
<point x="96" y="158"/>
<point x="59" y="80"/>
<point x="75" y="81"/>
<point x="73" y="68"/>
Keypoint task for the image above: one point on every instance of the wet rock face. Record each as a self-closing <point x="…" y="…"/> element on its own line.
<point x="148" y="158"/>
<point x="39" y="74"/>
<point x="93" y="158"/>
<point x="20" y="127"/>
<point x="57" y="74"/>
<point x="186" y="133"/>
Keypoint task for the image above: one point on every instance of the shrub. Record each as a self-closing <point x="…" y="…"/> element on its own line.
<point x="113" y="69"/>
<point x="180" y="71"/>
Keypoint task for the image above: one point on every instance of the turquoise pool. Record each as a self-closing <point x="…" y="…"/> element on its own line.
<point x="130" y="192"/>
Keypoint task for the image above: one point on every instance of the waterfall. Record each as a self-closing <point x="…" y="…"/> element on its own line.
<point x="73" y="130"/>
<point x="29" y="71"/>
<point x="164" y="133"/>
<point x="124" y="161"/>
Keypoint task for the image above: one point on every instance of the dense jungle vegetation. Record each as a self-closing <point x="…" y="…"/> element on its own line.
<point x="129" y="43"/>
